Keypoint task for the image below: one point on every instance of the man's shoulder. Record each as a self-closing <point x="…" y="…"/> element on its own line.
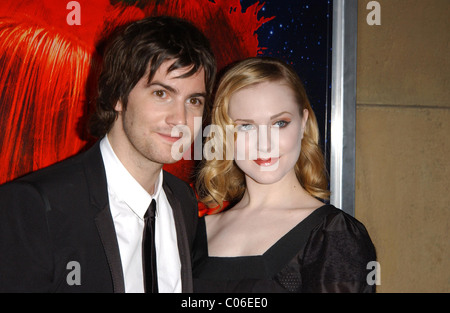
<point x="178" y="186"/>
<point x="60" y="173"/>
<point x="173" y="180"/>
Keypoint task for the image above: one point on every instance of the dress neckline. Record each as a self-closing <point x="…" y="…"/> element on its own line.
<point x="283" y="241"/>
<point x="273" y="259"/>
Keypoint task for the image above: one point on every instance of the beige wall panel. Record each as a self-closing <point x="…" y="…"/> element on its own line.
<point x="403" y="194"/>
<point x="405" y="60"/>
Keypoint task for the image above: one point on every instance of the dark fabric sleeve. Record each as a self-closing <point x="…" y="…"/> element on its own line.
<point x="26" y="263"/>
<point x="337" y="255"/>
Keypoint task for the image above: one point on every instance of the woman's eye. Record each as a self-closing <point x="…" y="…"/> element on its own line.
<point x="281" y="124"/>
<point x="245" y="127"/>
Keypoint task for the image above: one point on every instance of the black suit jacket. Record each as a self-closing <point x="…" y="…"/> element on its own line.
<point x="60" y="214"/>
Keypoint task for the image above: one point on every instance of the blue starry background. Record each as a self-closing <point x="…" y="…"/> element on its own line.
<point x="300" y="34"/>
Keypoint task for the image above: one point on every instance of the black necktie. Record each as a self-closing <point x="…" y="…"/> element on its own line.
<point x="149" y="251"/>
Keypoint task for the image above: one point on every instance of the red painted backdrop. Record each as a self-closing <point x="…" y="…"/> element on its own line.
<point x="49" y="65"/>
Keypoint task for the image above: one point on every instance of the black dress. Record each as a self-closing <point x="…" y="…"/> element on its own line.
<point x="326" y="252"/>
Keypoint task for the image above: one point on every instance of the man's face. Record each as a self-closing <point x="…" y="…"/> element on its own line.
<point x="143" y="130"/>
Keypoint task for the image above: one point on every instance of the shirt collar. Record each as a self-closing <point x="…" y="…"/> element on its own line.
<point x="123" y="185"/>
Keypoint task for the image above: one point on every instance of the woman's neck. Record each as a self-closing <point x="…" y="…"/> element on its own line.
<point x="287" y="191"/>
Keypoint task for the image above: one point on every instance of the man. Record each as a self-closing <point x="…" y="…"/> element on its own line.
<point x="78" y="226"/>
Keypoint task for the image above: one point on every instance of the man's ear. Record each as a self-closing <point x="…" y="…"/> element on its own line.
<point x="119" y="106"/>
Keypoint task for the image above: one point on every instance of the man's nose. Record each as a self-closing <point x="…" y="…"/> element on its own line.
<point x="177" y="114"/>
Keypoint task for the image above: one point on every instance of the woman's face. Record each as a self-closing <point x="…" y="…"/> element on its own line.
<point x="269" y="130"/>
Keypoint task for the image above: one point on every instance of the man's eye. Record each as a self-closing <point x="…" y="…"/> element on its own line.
<point x="195" y="101"/>
<point x="160" y="93"/>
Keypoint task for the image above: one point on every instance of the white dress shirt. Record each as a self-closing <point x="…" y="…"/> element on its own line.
<point x="128" y="202"/>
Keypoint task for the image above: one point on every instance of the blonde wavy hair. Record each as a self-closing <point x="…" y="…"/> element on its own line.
<point x="221" y="180"/>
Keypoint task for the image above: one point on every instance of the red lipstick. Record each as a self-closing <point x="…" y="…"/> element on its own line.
<point x="265" y="162"/>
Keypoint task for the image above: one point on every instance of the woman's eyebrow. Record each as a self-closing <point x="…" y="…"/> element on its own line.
<point x="279" y="114"/>
<point x="272" y="117"/>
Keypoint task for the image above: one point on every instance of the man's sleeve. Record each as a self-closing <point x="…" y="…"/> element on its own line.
<point x="26" y="262"/>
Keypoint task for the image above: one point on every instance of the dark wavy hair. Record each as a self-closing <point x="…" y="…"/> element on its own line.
<point x="148" y="42"/>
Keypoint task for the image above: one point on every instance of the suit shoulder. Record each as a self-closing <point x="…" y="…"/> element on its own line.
<point x="181" y="190"/>
<point x="58" y="172"/>
<point x="65" y="170"/>
<point x="175" y="182"/>
<point x="57" y="176"/>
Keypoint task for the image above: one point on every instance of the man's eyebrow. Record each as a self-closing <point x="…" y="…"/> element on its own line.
<point x="198" y="94"/>
<point x="157" y="83"/>
<point x="174" y="90"/>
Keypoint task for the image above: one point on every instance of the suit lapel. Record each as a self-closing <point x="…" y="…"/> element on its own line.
<point x="106" y="230"/>
<point x="182" y="239"/>
<point x="97" y="185"/>
<point x="96" y="180"/>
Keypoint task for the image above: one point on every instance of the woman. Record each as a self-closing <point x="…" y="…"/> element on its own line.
<point x="277" y="235"/>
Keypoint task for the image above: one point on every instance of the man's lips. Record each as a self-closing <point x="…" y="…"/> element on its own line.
<point x="170" y="138"/>
<point x="266" y="162"/>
